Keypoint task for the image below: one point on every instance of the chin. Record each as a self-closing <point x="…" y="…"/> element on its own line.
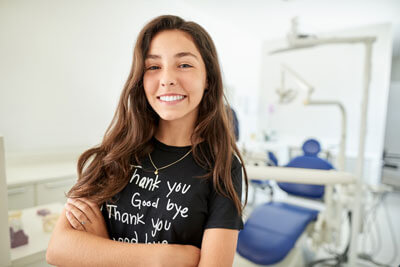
<point x="170" y="117"/>
<point x="175" y="115"/>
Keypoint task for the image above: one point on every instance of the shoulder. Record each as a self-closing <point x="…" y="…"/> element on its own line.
<point x="236" y="164"/>
<point x="236" y="168"/>
<point x="236" y="173"/>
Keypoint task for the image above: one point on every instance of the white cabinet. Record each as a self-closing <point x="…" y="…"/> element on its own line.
<point x="37" y="183"/>
<point x="21" y="196"/>
<point x="32" y="183"/>
<point x="53" y="191"/>
<point x="39" y="192"/>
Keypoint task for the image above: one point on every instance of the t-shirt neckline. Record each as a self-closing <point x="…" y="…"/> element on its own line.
<point x="165" y="147"/>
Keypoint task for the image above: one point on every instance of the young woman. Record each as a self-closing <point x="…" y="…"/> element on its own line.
<point x="167" y="175"/>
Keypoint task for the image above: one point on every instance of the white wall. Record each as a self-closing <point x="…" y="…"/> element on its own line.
<point x="392" y="142"/>
<point x="395" y="77"/>
<point x="63" y="63"/>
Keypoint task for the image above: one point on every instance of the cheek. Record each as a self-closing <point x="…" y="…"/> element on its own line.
<point x="194" y="84"/>
<point x="149" y="85"/>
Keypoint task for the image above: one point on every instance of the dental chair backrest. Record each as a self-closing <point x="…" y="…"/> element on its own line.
<point x="272" y="159"/>
<point x="231" y="113"/>
<point x="309" y="160"/>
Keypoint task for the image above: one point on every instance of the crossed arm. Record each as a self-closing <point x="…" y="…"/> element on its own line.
<point x="72" y="244"/>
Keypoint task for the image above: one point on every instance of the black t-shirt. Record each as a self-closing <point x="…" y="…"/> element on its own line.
<point x="175" y="206"/>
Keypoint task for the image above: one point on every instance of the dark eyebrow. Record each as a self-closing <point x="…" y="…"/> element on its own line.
<point x="181" y="54"/>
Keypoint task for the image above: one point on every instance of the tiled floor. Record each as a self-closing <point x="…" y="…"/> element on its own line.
<point x="377" y="239"/>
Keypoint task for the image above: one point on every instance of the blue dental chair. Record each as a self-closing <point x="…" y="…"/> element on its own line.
<point x="273" y="228"/>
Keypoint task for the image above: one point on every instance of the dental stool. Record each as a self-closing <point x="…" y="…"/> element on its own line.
<point x="273" y="228"/>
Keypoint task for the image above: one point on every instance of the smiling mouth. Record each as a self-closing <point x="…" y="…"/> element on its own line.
<point x="171" y="98"/>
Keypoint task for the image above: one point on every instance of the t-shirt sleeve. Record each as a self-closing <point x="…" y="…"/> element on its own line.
<point x="222" y="210"/>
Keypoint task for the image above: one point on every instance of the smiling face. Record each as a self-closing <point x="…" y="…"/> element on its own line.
<point x="175" y="76"/>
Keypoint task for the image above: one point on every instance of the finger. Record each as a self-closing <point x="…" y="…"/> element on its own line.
<point x="74" y="222"/>
<point x="77" y="213"/>
<point x="93" y="205"/>
<point x="83" y="207"/>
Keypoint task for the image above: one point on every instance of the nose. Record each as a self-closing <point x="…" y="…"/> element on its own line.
<point x="170" y="83"/>
<point x="168" y="78"/>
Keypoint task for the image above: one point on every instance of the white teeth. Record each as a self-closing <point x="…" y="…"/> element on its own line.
<point x="171" y="98"/>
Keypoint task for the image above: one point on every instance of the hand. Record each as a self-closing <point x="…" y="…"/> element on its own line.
<point x="85" y="215"/>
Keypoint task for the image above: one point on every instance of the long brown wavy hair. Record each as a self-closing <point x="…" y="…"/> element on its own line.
<point x="104" y="170"/>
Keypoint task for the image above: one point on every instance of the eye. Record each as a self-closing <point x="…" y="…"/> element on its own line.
<point x="184" y="66"/>
<point x="152" y="68"/>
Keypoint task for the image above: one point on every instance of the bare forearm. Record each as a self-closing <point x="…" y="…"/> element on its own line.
<point x="69" y="247"/>
<point x="83" y="249"/>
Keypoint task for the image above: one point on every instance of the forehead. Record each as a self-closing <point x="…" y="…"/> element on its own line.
<point x="170" y="42"/>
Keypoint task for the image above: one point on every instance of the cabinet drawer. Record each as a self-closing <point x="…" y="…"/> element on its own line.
<point x="21" y="197"/>
<point x="54" y="191"/>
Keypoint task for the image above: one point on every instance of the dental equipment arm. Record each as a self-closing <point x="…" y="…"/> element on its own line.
<point x="300" y="175"/>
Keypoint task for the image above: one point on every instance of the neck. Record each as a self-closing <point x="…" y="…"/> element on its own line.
<point x="175" y="133"/>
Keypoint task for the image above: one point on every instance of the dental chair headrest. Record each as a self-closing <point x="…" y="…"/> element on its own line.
<point x="311" y="147"/>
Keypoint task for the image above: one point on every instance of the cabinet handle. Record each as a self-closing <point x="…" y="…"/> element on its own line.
<point x="17" y="190"/>
<point x="57" y="184"/>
